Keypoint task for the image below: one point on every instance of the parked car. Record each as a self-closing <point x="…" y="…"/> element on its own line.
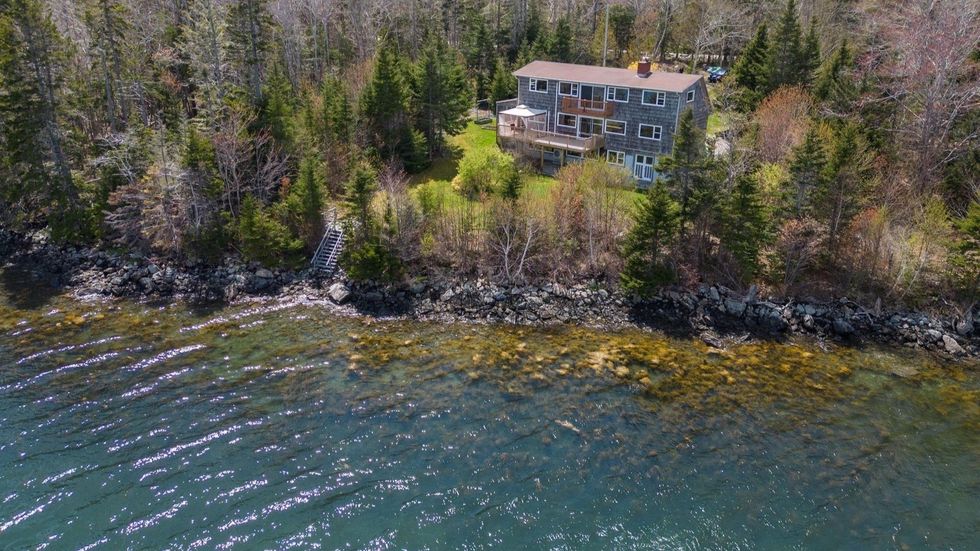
<point x="716" y="73"/>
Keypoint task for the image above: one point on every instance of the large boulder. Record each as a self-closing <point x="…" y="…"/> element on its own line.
<point x="952" y="346"/>
<point x="339" y="293"/>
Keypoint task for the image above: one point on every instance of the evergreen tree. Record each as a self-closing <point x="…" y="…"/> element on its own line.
<point x="277" y="106"/>
<point x="533" y="27"/>
<point x="751" y="69"/>
<point x="561" y="45"/>
<point x="108" y="25"/>
<point x="655" y="224"/>
<point x="365" y="256"/>
<point x="504" y="85"/>
<point x="250" y="30"/>
<point x="687" y="167"/>
<point x="480" y="53"/>
<point x="842" y="183"/>
<point x="31" y="65"/>
<point x="440" y="93"/>
<point x="621" y="21"/>
<point x="806" y="173"/>
<point x="384" y="104"/>
<point x="834" y="84"/>
<point x="205" y="45"/>
<point x="745" y="225"/>
<point x="786" y="51"/>
<point x="809" y="56"/>
<point x="513" y="183"/>
<point x="965" y="258"/>
<point x="307" y="196"/>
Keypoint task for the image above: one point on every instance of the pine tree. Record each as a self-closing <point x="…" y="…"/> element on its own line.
<point x="655" y="224"/>
<point x="751" y="69"/>
<point x="687" y="166"/>
<point x="108" y="25"/>
<point x="806" y="173"/>
<point x="786" y="51"/>
<point x="561" y="45"/>
<point x="745" y="225"/>
<point x="809" y="56"/>
<point x="440" y="93"/>
<point x="504" y="85"/>
<point x="31" y="65"/>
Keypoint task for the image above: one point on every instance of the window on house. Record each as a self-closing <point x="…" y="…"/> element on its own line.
<point x="651" y="132"/>
<point x="690" y="96"/>
<point x="652" y="97"/>
<point x="568" y="89"/>
<point x="570" y="121"/>
<point x="616" y="158"/>
<point x="538" y="85"/>
<point x="616" y="127"/>
<point x="617" y="94"/>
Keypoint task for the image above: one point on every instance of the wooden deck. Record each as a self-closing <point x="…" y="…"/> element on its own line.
<point x="555" y="140"/>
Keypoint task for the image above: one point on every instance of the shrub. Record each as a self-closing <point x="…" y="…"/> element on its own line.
<point x="264" y="239"/>
<point x="484" y="171"/>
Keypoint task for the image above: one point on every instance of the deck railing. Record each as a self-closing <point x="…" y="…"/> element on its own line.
<point x="587" y="107"/>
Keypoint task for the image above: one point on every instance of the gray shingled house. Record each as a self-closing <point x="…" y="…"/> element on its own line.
<point x="565" y="111"/>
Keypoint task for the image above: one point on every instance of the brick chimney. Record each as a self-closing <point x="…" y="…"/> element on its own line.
<point x="643" y="67"/>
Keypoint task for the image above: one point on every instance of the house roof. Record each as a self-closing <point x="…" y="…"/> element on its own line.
<point x="611" y="76"/>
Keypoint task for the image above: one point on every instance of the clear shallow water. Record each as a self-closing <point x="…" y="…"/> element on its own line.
<point x="279" y="426"/>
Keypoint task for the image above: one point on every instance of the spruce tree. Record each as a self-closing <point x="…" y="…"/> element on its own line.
<point x="250" y="30"/>
<point x="108" y="25"/>
<point x="504" y="85"/>
<point x="838" y="198"/>
<point x="440" y="93"/>
<point x="834" y="84"/>
<point x="278" y="102"/>
<point x="785" y="51"/>
<point x="35" y="161"/>
<point x="365" y="257"/>
<point x="751" y="69"/>
<point x="480" y="53"/>
<point x="310" y="193"/>
<point x="561" y="45"/>
<point x="809" y="56"/>
<point x="806" y="173"/>
<point x="644" y="250"/>
<point x="745" y="225"/>
<point x="687" y="167"/>
<point x="384" y="104"/>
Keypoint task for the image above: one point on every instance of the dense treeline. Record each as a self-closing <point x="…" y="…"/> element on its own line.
<point x="192" y="128"/>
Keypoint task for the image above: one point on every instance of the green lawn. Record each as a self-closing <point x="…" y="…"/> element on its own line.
<point x="438" y="177"/>
<point x="718" y="122"/>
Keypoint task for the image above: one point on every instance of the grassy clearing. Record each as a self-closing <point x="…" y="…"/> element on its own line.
<point x="438" y="178"/>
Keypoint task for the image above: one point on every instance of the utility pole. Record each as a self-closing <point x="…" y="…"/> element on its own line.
<point x="605" y="37"/>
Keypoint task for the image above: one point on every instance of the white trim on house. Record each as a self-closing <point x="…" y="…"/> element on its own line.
<point x="656" y="132"/>
<point x="643" y="167"/>
<point x="659" y="99"/>
<point x="691" y="94"/>
<point x="574" y="89"/>
<point x="611" y="94"/>
<point x="532" y="85"/>
<point x="605" y="127"/>
<point x="574" y="119"/>
<point x="620" y="157"/>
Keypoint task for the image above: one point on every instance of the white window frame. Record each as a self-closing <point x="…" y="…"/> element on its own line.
<point x="605" y="127"/>
<point x="611" y="94"/>
<point x="659" y="98"/>
<point x="573" y="85"/>
<point x="657" y="134"/>
<point x="641" y="167"/>
<point x="690" y="95"/>
<point x="573" y="125"/>
<point x="532" y="85"/>
<point x="620" y="157"/>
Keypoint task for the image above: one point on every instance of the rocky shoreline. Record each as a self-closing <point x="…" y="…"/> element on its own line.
<point x="712" y="313"/>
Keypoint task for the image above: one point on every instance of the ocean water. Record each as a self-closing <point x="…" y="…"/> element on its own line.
<point x="285" y="425"/>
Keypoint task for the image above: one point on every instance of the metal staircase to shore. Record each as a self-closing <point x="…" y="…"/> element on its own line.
<point x="331" y="245"/>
